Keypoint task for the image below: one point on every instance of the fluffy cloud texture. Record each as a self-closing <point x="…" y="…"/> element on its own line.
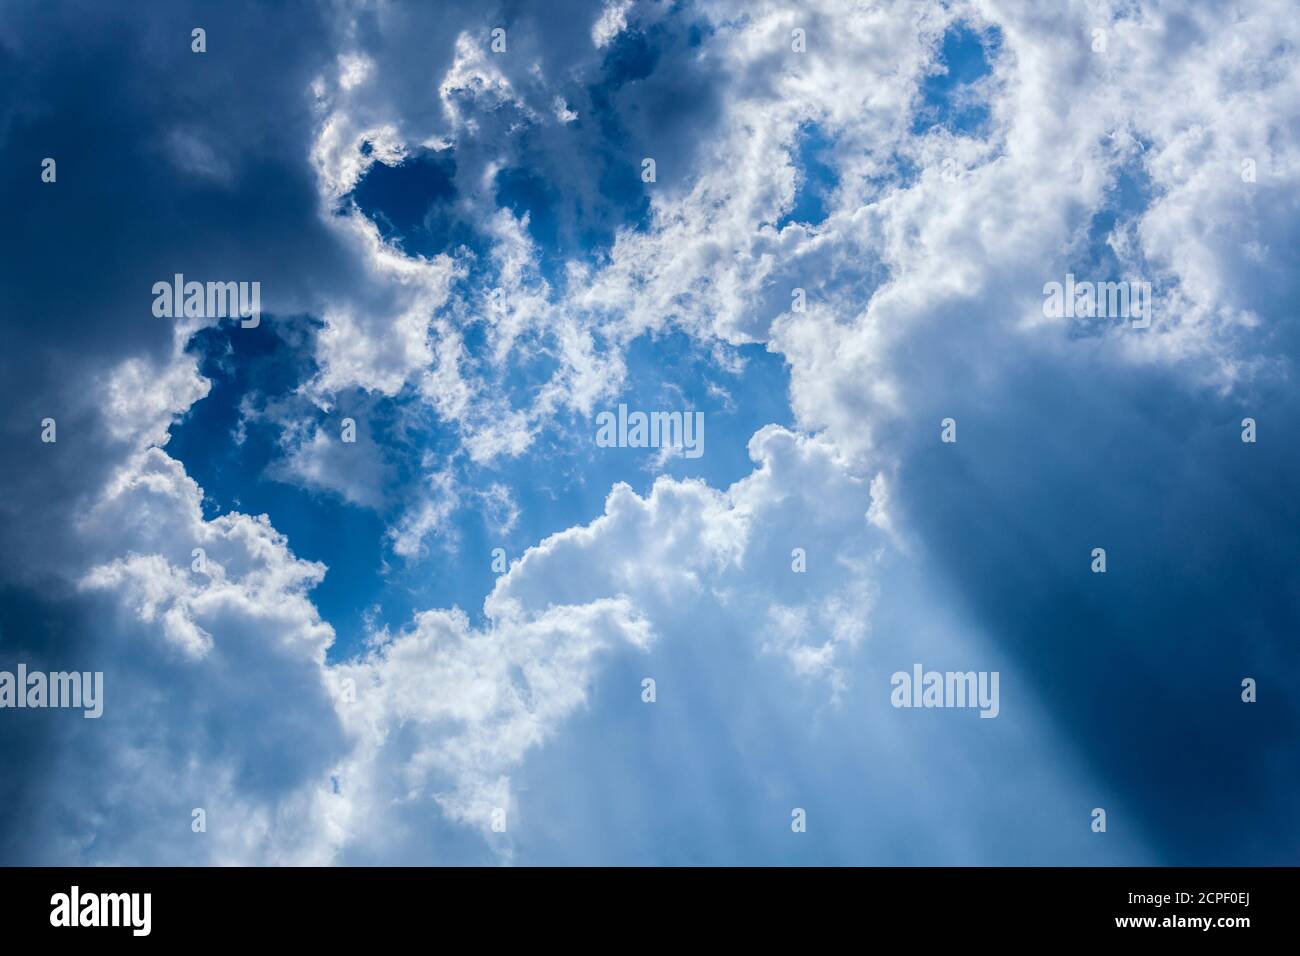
<point x="910" y="178"/>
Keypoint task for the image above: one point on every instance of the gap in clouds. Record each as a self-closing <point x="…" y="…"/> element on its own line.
<point x="229" y="453"/>
<point x="818" y="177"/>
<point x="233" y="443"/>
<point x="424" y="206"/>
<point x="413" y="203"/>
<point x="952" y="97"/>
<point x="1106" y="249"/>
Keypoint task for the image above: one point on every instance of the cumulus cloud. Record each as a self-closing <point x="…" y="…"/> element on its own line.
<point x="922" y="284"/>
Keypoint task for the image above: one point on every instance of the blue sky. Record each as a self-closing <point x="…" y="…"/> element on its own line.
<point x="562" y="483"/>
<point x="855" y="212"/>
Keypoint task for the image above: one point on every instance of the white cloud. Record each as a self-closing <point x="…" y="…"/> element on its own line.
<point x="429" y="515"/>
<point x="378" y="336"/>
<point x="562" y="111"/>
<point x="319" y="459"/>
<point x="446" y="711"/>
<point x="611" y="22"/>
<point x="469" y="704"/>
<point x="190" y="656"/>
<point x="140" y="398"/>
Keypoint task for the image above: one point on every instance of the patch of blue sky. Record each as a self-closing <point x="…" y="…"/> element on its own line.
<point x="524" y="191"/>
<point x="950" y="96"/>
<point x="1127" y="199"/>
<point x="817" y="177"/>
<point x="230" y="457"/>
<point x="671" y="372"/>
<point x="654" y="98"/>
<point x="564" y="478"/>
<point x="562" y="481"/>
<point x="413" y="204"/>
<point x="631" y="56"/>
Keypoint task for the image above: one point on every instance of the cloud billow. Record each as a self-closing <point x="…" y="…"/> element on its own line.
<point x="458" y="249"/>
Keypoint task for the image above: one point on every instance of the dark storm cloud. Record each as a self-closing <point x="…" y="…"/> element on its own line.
<point x="1140" y="666"/>
<point x="117" y="98"/>
<point x="168" y="161"/>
